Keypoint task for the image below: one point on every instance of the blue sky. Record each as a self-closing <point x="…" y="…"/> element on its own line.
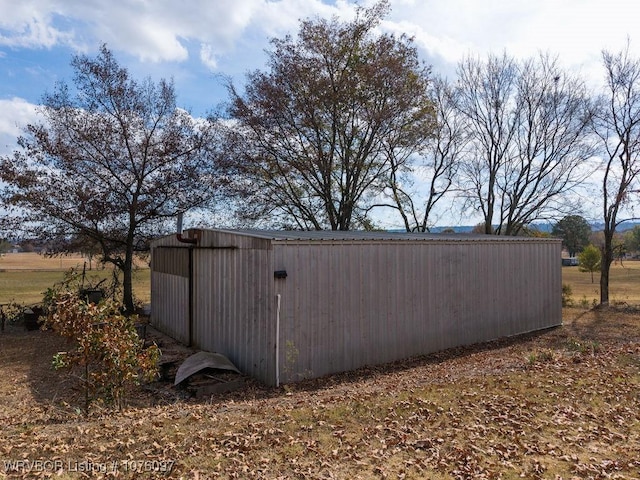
<point x="197" y="42"/>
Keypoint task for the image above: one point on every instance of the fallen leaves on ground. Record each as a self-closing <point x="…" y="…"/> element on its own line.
<point x="558" y="404"/>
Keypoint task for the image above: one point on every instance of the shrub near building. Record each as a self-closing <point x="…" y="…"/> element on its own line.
<point x="107" y="347"/>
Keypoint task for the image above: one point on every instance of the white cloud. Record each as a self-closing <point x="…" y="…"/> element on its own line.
<point x="155" y="31"/>
<point x="575" y="30"/>
<point x="276" y="18"/>
<point x="208" y="57"/>
<point x="16" y="115"/>
<point x="26" y="25"/>
<point x="160" y="31"/>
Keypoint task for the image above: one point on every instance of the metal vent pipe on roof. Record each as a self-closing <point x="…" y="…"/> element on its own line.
<point x="179" y="236"/>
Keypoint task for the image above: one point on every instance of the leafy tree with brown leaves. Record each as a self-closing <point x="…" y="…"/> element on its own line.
<point x="319" y="127"/>
<point x="112" y="160"/>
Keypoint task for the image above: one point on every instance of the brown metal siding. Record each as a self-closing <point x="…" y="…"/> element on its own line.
<point x="345" y="305"/>
<point x="233" y="312"/>
<point x="170" y="304"/>
<point x="352" y="302"/>
<point x="233" y="308"/>
<point x="171" y="260"/>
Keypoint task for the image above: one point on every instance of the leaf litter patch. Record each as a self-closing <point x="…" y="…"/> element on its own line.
<point x="538" y="406"/>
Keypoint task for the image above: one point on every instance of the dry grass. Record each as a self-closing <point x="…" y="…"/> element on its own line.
<point x="25" y="276"/>
<point x="35" y="261"/>
<point x="624" y="284"/>
<point x="560" y="404"/>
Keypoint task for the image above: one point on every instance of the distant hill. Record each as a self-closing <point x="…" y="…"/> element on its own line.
<point x="625" y="226"/>
<point x="543" y="227"/>
<point x="457" y="229"/>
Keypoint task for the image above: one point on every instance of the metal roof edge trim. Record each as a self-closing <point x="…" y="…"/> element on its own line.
<point x="316" y="236"/>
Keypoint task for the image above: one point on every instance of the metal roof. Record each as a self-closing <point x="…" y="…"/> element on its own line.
<point x="356" y="235"/>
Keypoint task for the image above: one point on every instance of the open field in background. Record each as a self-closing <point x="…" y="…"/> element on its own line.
<point x="624" y="284"/>
<point x="25" y="276"/>
<point x="35" y="261"/>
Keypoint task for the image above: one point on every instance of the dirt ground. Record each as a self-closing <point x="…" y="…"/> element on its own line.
<point x="563" y="403"/>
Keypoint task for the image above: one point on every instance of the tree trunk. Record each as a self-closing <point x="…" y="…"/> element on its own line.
<point x="127" y="280"/>
<point x="488" y="218"/>
<point x="605" y="266"/>
<point x="604" y="285"/>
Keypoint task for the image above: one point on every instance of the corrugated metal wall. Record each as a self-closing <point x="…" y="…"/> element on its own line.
<point x="233" y="300"/>
<point x="346" y="305"/>
<point x="349" y="303"/>
<point x="171" y="311"/>
<point x="170" y="291"/>
<point x="233" y="307"/>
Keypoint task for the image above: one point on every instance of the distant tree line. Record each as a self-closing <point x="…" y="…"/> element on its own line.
<point x="577" y="234"/>
<point x="5" y="245"/>
<point x="343" y="123"/>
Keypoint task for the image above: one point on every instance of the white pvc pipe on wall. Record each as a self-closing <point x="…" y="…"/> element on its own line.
<point x="278" y="342"/>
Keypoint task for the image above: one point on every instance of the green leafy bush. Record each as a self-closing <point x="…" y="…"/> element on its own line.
<point x="590" y="259"/>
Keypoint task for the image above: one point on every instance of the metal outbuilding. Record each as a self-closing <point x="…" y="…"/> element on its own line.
<point x="289" y="305"/>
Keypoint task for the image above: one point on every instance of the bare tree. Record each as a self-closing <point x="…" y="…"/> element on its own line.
<point x="486" y="93"/>
<point x="553" y="145"/>
<point x="111" y="162"/>
<point x="528" y="124"/>
<point x="617" y="124"/>
<point x="432" y="160"/>
<point x="318" y="124"/>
